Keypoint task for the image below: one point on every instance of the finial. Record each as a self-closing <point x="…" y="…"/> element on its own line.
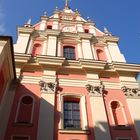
<point x="45" y="14"/>
<point x="56" y="9"/>
<point x="89" y="19"/>
<point x="28" y="23"/>
<point x="107" y="32"/>
<point x="76" y="11"/>
<point x="66" y="4"/>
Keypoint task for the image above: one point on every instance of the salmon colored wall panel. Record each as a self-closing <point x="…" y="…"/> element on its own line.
<point x="118" y="95"/>
<point x="4" y="77"/>
<point x="64" y="136"/>
<point x="14" y="128"/>
<point x="101" y="53"/>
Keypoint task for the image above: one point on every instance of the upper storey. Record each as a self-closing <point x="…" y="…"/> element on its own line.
<point x="66" y="34"/>
<point x="67" y="21"/>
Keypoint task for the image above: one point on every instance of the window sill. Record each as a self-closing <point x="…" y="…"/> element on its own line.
<point x="73" y="131"/>
<point x="23" y="124"/>
<point x="122" y="127"/>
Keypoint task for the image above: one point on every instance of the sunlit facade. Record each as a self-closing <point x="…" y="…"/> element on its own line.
<point x="67" y="80"/>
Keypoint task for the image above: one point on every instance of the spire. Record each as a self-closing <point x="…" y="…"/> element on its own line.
<point x="28" y="23"/>
<point x="66" y="4"/>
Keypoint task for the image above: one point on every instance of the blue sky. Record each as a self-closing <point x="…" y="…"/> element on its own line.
<point x="121" y="17"/>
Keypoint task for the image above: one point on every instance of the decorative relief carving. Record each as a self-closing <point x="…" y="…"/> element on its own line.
<point x="48" y="87"/>
<point x="131" y="92"/>
<point x="95" y="90"/>
<point x="71" y="29"/>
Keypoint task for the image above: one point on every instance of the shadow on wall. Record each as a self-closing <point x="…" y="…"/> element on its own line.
<point x="138" y="78"/>
<point x="20" y="130"/>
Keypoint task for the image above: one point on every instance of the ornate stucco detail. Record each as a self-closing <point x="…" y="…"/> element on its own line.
<point x="131" y="92"/>
<point x="95" y="90"/>
<point x="48" y="87"/>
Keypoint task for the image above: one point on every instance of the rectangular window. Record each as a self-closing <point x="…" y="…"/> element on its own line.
<point x="69" y="53"/>
<point x="72" y="114"/>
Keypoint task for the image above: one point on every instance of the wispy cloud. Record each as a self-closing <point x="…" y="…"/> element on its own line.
<point x="2" y="22"/>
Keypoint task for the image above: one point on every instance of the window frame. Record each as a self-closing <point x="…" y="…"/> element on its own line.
<point x="117" y="126"/>
<point x="83" y="110"/>
<point x="72" y="111"/>
<point x="70" y="54"/>
<point x="18" y="109"/>
<point x="20" y="136"/>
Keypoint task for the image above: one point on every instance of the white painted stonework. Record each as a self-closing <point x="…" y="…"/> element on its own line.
<point x="134" y="106"/>
<point x="22" y="43"/>
<point x="115" y="52"/>
<point x="101" y="128"/>
<point x="86" y="47"/>
<point x="51" y="46"/>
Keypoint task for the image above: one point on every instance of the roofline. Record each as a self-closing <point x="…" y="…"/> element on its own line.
<point x="12" y="51"/>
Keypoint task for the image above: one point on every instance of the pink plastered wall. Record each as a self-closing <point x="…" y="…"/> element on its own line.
<point x="124" y="117"/>
<point x="14" y="128"/>
<point x="69" y="136"/>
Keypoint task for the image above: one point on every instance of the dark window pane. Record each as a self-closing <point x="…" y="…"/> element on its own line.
<point x="71" y="114"/>
<point x="69" y="52"/>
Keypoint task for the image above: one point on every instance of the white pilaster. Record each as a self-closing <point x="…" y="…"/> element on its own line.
<point x="46" y="117"/>
<point x="52" y="45"/>
<point x="115" y="52"/>
<point x="108" y="54"/>
<point x="30" y="47"/>
<point x="43" y="24"/>
<point x="22" y="43"/>
<point x="44" y="50"/>
<point x="86" y="47"/>
<point x="101" y="128"/>
<point x="59" y="49"/>
<point x="55" y="25"/>
<point x="80" y="55"/>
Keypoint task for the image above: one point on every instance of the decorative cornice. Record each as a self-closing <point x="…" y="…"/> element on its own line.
<point x="95" y="90"/>
<point x="25" y="30"/>
<point x="126" y="67"/>
<point x="92" y="64"/>
<point x="131" y="92"/>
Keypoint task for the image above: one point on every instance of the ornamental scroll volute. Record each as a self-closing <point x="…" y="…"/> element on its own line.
<point x="95" y="90"/>
<point x="49" y="87"/>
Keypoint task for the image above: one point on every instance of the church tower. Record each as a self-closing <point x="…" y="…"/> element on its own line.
<point x="73" y="83"/>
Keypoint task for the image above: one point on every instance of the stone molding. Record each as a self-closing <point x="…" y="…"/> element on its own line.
<point x="48" y="88"/>
<point x="95" y="90"/>
<point x="131" y="92"/>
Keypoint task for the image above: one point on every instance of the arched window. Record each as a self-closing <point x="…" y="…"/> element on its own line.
<point x="25" y="110"/>
<point x="36" y="49"/>
<point x="69" y="52"/>
<point x="118" y="113"/>
<point x="101" y="54"/>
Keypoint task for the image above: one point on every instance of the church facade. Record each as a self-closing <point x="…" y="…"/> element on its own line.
<point x="67" y="80"/>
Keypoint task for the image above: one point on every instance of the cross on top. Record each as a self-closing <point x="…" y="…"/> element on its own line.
<point x="66" y="3"/>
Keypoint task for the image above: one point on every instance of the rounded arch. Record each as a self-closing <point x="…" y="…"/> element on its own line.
<point x="25" y="109"/>
<point x="118" y="113"/>
<point x="101" y="55"/>
<point x="36" y="49"/>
